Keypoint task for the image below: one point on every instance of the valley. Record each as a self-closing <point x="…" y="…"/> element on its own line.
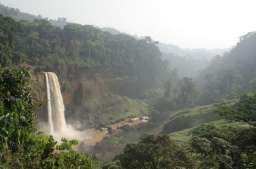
<point x="79" y="96"/>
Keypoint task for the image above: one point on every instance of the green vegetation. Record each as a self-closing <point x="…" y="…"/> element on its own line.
<point x="228" y="146"/>
<point x="114" y="144"/>
<point x="89" y="62"/>
<point x="219" y="144"/>
<point x="123" y="109"/>
<point x="232" y="74"/>
<point x="154" y="153"/>
<point x="110" y="77"/>
<point x="189" y="118"/>
<point x="178" y="125"/>
<point x="80" y="48"/>
<point x="184" y="136"/>
<point x="20" y="145"/>
<point x="244" y="110"/>
<point x="177" y="94"/>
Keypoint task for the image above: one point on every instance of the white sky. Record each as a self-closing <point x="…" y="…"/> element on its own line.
<point x="187" y="23"/>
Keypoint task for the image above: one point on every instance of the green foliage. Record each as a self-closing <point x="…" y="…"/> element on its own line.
<point x="177" y="94"/>
<point x="227" y="147"/>
<point x="189" y="118"/>
<point x="124" y="65"/>
<point x="122" y="109"/>
<point x="112" y="165"/>
<point x="213" y="149"/>
<point x="15" y="13"/>
<point x="230" y="147"/>
<point x="154" y="153"/>
<point x="244" y="110"/>
<point x="79" y="48"/>
<point x="16" y="118"/>
<point x="245" y="140"/>
<point x="7" y="30"/>
<point x="231" y="74"/>
<point x="20" y="146"/>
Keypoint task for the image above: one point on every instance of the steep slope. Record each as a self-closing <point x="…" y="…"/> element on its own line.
<point x="189" y="118"/>
<point x="100" y="72"/>
<point x="233" y="73"/>
<point x="198" y="54"/>
<point x="16" y="13"/>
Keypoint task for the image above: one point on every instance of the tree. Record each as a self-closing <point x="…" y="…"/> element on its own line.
<point x="155" y="153"/>
<point x="244" y="110"/>
<point x="229" y="147"/>
<point x="20" y="145"/>
<point x="16" y="118"/>
<point x="213" y="149"/>
<point x="187" y="92"/>
<point x="231" y="74"/>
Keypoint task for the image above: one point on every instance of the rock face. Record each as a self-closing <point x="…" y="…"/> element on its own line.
<point x="90" y="101"/>
<point x="39" y="96"/>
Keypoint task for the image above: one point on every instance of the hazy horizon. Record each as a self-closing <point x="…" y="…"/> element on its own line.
<point x="198" y="24"/>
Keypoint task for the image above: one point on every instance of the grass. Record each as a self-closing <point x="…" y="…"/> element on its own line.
<point x="180" y="125"/>
<point x="183" y="136"/>
<point x="114" y="144"/>
<point x="123" y="108"/>
<point x="189" y="118"/>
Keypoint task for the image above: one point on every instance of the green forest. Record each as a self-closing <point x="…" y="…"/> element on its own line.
<point x="207" y="121"/>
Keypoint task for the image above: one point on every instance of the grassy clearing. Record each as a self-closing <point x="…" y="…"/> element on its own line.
<point x="184" y="136"/>
<point x="180" y="125"/>
<point x="123" y="108"/>
<point x="189" y="118"/>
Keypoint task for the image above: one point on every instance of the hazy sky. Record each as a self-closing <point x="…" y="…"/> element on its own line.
<point x="187" y="23"/>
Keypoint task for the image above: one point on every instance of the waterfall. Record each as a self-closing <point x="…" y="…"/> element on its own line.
<point x="56" y="112"/>
<point x="49" y="107"/>
<point x="55" y="105"/>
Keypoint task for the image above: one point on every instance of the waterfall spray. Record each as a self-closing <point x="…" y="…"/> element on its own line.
<point x="56" y="111"/>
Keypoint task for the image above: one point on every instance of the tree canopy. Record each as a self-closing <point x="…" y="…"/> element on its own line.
<point x="155" y="153"/>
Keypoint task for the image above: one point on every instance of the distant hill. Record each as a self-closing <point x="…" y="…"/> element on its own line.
<point x="17" y="15"/>
<point x="188" y="62"/>
<point x="185" y="66"/>
<point x="198" y="54"/>
<point x="235" y="72"/>
<point x="111" y="30"/>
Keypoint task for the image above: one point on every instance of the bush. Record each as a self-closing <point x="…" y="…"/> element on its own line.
<point x="20" y="146"/>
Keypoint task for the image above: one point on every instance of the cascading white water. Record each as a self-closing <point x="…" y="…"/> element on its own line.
<point x="49" y="107"/>
<point x="56" y="112"/>
<point x="55" y="105"/>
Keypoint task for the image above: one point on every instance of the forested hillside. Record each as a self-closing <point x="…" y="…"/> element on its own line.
<point x="97" y="69"/>
<point x="78" y="47"/>
<point x="232" y="74"/>
<point x="188" y="114"/>
<point x="17" y="15"/>
<point x="188" y="62"/>
<point x="210" y="129"/>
